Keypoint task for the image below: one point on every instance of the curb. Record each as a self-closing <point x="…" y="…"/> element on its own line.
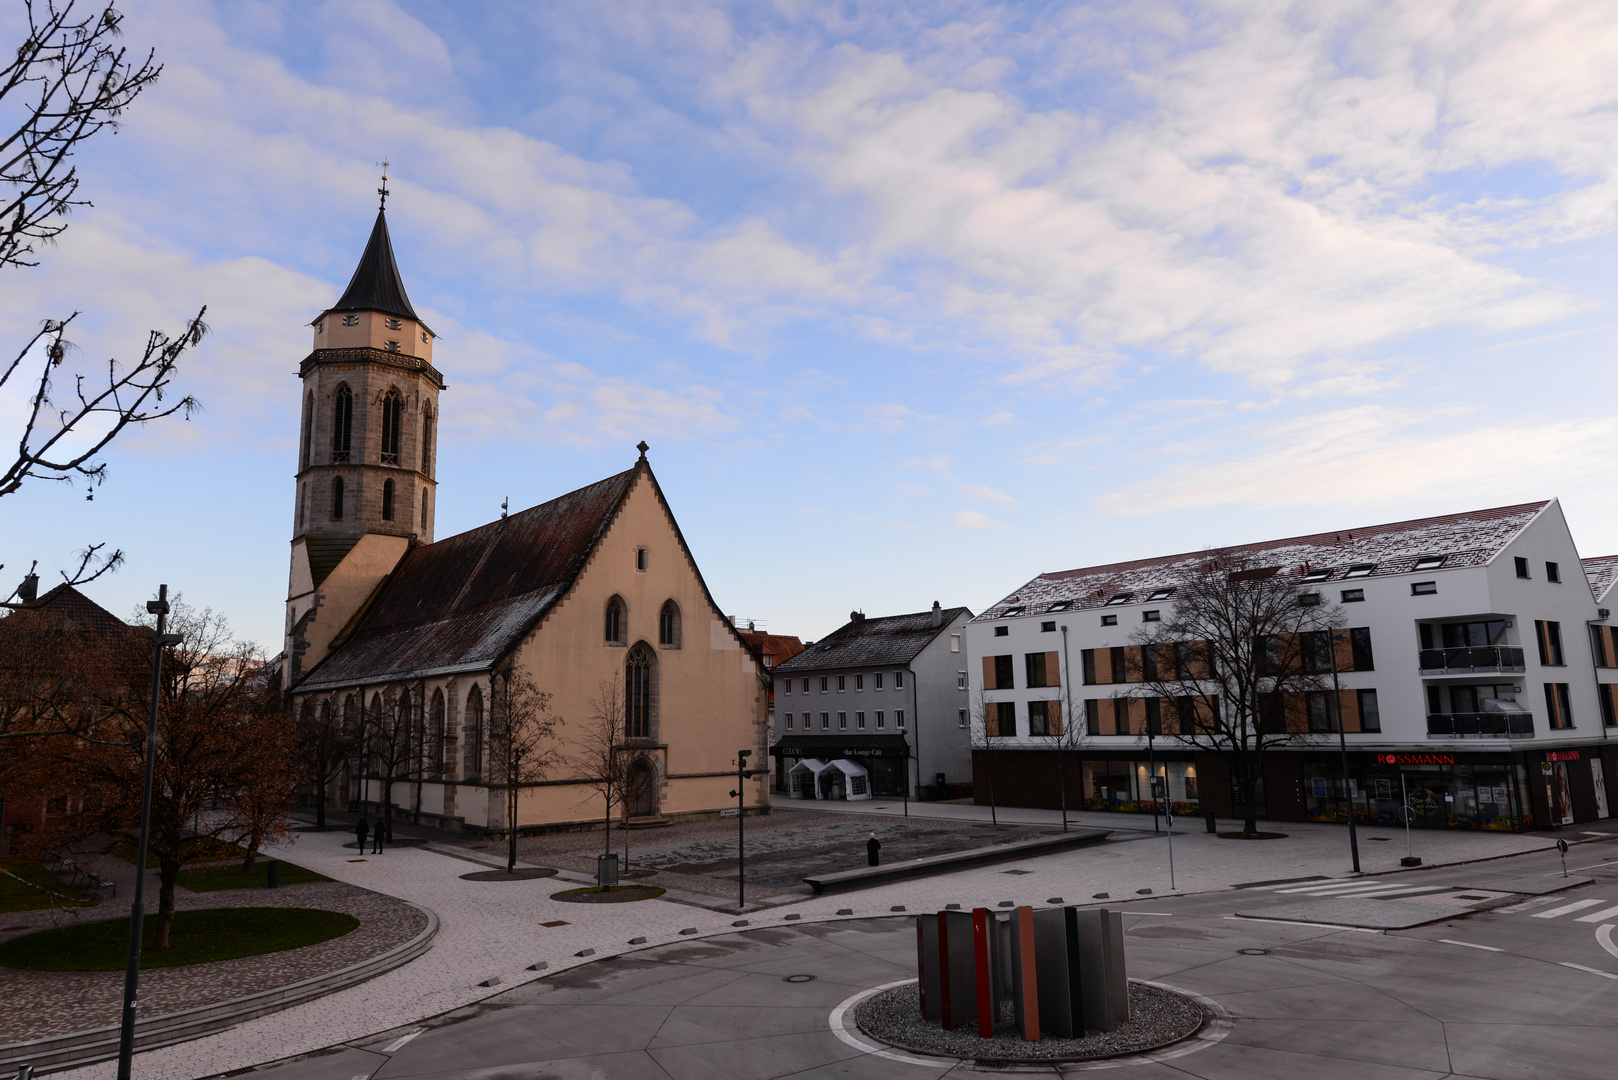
<point x="77" y="1048"/>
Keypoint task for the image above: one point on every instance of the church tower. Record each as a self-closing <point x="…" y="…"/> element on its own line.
<point x="367" y="452"/>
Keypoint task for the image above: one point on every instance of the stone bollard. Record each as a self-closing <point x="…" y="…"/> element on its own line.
<point x="272" y="874"/>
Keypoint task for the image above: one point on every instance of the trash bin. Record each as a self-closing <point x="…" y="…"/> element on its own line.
<point x="607" y="869"/>
<point x="272" y="874"/>
<point x="1212" y="825"/>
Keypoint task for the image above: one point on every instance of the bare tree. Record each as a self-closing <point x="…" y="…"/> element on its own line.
<point x="523" y="739"/>
<point x="224" y="754"/>
<point x="68" y="80"/>
<point x="983" y="732"/>
<point x="1064" y="733"/>
<point x="600" y="757"/>
<point x="388" y="747"/>
<point x="1232" y="670"/>
<point x="325" y="740"/>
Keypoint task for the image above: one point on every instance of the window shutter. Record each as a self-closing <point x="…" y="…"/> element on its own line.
<point x="1544" y="645"/>
<point x="1053" y="669"/>
<point x="988" y="674"/>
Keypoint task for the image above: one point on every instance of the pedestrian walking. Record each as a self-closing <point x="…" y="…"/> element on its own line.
<point x="873" y="849"/>
<point x="376" y="837"/>
<point x="362" y="833"/>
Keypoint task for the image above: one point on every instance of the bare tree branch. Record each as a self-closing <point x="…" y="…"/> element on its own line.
<point x="68" y="80"/>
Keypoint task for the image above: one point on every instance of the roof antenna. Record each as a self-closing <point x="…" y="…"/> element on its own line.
<point x="383" y="190"/>
<point x="503" y="504"/>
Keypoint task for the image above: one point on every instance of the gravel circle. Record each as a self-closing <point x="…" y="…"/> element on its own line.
<point x="1158" y="1017"/>
<point x="522" y="873"/>
<point x="616" y="894"/>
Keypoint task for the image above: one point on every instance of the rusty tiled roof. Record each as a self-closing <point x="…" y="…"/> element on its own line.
<point x="1600" y="572"/>
<point x="1467" y="539"/>
<point x="79" y="612"/>
<point x="778" y="647"/>
<point x="464" y="602"/>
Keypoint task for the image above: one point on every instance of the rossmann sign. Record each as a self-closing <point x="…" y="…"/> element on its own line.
<point x="1415" y="759"/>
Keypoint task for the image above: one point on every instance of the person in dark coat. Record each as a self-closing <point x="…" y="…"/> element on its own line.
<point x="376" y="836"/>
<point x="873" y="848"/>
<point x="362" y="833"/>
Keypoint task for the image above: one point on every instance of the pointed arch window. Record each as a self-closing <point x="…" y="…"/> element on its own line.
<point x="638" y="694"/>
<point x="392" y="422"/>
<point x="474" y="733"/>
<point x="424" y="497"/>
<point x="342" y="427"/>
<point x="387" y="500"/>
<point x="437" y="732"/>
<point x="668" y="625"/>
<point x="427" y="441"/>
<point x="337" y="498"/>
<point x="615" y="622"/>
<point x="407" y="725"/>
<point x="308" y="427"/>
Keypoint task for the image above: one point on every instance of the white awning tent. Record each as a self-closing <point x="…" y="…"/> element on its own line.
<point x="801" y="779"/>
<point x="856" y="780"/>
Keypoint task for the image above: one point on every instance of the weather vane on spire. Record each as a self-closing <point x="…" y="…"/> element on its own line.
<point x="383" y="190"/>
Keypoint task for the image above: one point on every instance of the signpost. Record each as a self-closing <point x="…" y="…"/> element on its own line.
<point x="1160" y="787"/>
<point x="743" y="773"/>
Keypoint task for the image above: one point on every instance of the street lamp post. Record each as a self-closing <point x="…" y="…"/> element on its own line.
<point x="1342" y="746"/>
<point x="743" y="773"/>
<point x="126" y="1035"/>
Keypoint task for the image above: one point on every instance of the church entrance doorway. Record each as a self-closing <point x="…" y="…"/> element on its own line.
<point x="640" y="788"/>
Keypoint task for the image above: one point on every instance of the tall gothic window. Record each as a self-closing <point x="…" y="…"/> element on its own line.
<point x="638" y="694"/>
<point x="342" y="428"/>
<point x="438" y="732"/>
<point x="337" y="499"/>
<point x="392" y="421"/>
<point x="308" y="427"/>
<point x="427" y="441"/>
<point x="668" y="625"/>
<point x="407" y="723"/>
<point x="474" y="732"/>
<point x="614" y="629"/>
<point x="387" y="500"/>
<point x="424" y="495"/>
<point x="376" y="729"/>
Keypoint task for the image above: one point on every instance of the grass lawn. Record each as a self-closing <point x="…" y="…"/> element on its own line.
<point x="215" y="878"/>
<point x="198" y="937"/>
<point x="16" y="896"/>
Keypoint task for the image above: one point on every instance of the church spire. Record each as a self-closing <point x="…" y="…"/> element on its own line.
<point x="376" y="285"/>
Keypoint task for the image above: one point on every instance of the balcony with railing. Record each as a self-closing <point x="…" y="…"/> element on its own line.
<point x="1481" y="725"/>
<point x="1471" y="660"/>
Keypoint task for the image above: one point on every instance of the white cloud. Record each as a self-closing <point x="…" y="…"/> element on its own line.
<point x="989" y="494"/>
<point x="1379" y="456"/>
<point x="974" y="519"/>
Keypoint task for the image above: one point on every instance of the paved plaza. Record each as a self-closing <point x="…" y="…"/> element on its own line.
<point x="496" y="930"/>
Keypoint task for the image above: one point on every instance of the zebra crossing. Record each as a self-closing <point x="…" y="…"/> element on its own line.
<point x="1381" y="889"/>
<point x="1608" y="911"/>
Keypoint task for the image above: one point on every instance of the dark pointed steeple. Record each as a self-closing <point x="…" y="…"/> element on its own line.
<point x="376" y="285"/>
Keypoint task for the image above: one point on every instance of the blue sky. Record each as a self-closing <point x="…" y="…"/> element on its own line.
<point x="911" y="301"/>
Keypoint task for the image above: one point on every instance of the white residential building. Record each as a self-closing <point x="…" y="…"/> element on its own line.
<point x="1479" y="676"/>
<point x="887" y="695"/>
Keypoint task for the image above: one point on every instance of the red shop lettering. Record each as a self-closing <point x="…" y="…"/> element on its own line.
<point x="1416" y="759"/>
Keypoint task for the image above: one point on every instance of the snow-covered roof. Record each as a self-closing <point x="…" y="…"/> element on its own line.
<point x="1468" y="539"/>
<point x="1600" y="572"/>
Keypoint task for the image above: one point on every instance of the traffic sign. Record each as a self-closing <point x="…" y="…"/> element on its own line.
<point x="1561" y="845"/>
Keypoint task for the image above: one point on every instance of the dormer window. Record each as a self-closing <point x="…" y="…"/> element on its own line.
<point x="395" y="324"/>
<point x="1318" y="575"/>
<point x="1060" y="605"/>
<point x="1360" y="570"/>
<point x="351" y="320"/>
<point x="1017" y="609"/>
<point x="1161" y="594"/>
<point x="1429" y="562"/>
<point x="393" y="346"/>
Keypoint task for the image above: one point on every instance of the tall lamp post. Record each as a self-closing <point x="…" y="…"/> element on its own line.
<point x="743" y="774"/>
<point x="126" y="1036"/>
<point x="1342" y="746"/>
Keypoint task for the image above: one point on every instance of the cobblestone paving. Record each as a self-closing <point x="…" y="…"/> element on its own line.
<point x="782" y="849"/>
<point x="40" y="1003"/>
<point x="495" y="929"/>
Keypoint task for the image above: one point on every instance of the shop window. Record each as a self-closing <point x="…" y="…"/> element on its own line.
<point x="1370" y="715"/>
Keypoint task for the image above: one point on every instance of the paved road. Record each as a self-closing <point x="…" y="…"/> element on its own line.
<point x="1514" y="987"/>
